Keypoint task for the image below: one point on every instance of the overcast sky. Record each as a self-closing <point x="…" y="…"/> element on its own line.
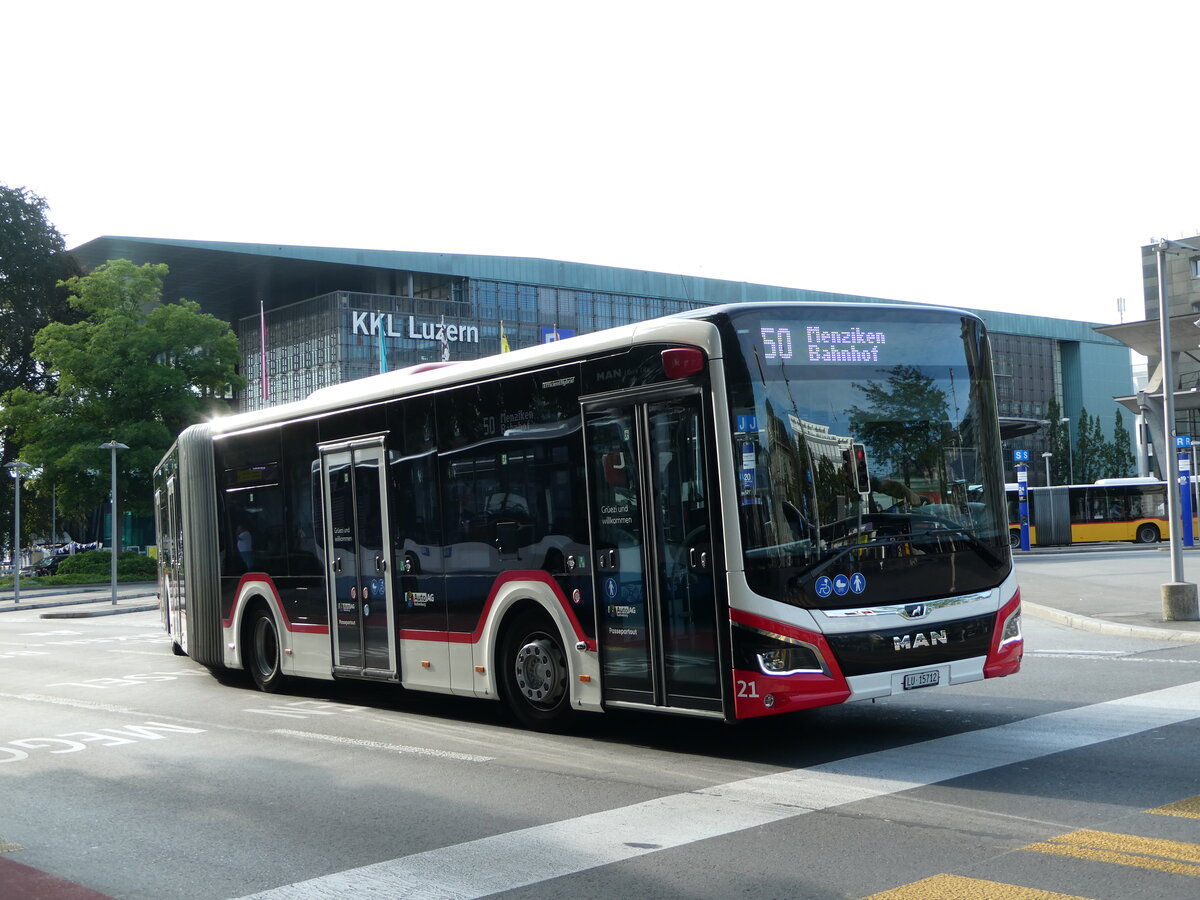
<point x="998" y="156"/>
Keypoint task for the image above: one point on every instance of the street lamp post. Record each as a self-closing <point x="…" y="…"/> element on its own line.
<point x="18" y="470"/>
<point x="1070" y="449"/>
<point x="114" y="446"/>
<point x="1046" y="456"/>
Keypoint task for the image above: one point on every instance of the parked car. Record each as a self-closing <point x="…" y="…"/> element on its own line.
<point x="47" y="566"/>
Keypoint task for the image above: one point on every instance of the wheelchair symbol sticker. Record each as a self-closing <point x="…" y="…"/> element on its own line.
<point x="824" y="586"/>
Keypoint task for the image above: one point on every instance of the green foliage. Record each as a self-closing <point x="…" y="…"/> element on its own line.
<point x="1087" y="453"/>
<point x="32" y="263"/>
<point x="906" y="421"/>
<point x="1122" y="462"/>
<point x="93" y="563"/>
<point x="1058" y="442"/>
<point x="1095" y="456"/>
<point x="133" y="369"/>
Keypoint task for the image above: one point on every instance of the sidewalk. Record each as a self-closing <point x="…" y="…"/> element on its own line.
<point x="82" y="601"/>
<point x="1113" y="589"/>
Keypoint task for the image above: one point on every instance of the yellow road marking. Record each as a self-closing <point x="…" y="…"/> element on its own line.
<point x="956" y="887"/>
<point x="1188" y="809"/>
<point x="1125" y="850"/>
<point x="9" y="846"/>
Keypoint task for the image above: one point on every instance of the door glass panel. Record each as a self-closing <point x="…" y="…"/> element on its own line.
<point x="372" y="566"/>
<point x="683" y="549"/>
<point x="344" y="560"/>
<point x="624" y="618"/>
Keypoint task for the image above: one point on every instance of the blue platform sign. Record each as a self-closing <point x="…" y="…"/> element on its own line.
<point x="1183" y="441"/>
<point x="1020" y="456"/>
<point x="1023" y="503"/>
<point x="1185" y="499"/>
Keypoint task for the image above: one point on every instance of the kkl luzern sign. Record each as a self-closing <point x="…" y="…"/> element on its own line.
<point x="385" y="324"/>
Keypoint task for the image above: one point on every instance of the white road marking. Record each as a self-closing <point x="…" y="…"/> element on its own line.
<point x="64" y="701"/>
<point x="520" y="858"/>
<point x="379" y="745"/>
<point x="1111" y="655"/>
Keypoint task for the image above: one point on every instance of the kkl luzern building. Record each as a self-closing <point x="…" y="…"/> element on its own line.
<point x="309" y="317"/>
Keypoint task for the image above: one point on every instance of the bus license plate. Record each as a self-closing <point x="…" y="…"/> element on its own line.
<point x="921" y="679"/>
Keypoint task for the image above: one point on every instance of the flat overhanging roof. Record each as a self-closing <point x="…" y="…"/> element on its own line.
<point x="1144" y="338"/>
<point x="1184" y="400"/>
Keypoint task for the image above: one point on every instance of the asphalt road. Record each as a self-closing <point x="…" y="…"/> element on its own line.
<point x="130" y="772"/>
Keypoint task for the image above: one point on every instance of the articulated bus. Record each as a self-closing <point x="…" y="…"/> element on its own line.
<point x="739" y="511"/>
<point x="1112" y="509"/>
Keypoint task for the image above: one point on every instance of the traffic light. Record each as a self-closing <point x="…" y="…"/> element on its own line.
<point x="857" y="457"/>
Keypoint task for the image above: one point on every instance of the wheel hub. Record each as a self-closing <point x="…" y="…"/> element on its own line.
<point x="541" y="672"/>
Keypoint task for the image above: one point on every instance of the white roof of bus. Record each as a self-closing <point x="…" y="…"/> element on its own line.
<point x="376" y="388"/>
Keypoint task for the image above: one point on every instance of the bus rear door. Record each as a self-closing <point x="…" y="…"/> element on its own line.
<point x="360" y="586"/>
<point x="650" y="513"/>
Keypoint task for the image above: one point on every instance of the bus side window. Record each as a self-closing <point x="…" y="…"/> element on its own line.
<point x="303" y="504"/>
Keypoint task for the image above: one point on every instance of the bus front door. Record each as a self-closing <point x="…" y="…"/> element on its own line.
<point x="361" y="610"/>
<point x="651" y="522"/>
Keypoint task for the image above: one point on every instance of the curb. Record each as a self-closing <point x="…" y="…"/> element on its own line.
<point x="53" y="604"/>
<point x="1102" y="626"/>
<point x="103" y="611"/>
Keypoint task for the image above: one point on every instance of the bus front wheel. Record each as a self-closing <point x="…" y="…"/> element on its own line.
<point x="263" y="651"/>
<point x="534" y="672"/>
<point x="1147" y="534"/>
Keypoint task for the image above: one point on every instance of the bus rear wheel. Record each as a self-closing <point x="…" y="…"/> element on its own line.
<point x="534" y="672"/>
<point x="1147" y="534"/>
<point x="263" y="651"/>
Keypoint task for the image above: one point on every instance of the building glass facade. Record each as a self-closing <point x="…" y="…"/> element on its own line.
<point x="337" y="314"/>
<point x="344" y="335"/>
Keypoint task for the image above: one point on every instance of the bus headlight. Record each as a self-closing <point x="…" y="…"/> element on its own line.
<point x="788" y="661"/>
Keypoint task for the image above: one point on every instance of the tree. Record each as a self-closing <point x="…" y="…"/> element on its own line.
<point x="1058" y="442"/>
<point x="32" y="263"/>
<point x="907" y="424"/>
<point x="133" y="369"/>
<point x="1122" y="461"/>
<point x="1086" y="469"/>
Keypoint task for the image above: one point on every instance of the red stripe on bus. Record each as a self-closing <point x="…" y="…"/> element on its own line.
<point x="473" y="637"/>
<point x="294" y="627"/>
<point x="452" y="637"/>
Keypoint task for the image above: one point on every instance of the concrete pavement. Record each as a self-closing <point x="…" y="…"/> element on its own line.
<point x="1113" y="589"/>
<point x="82" y="601"/>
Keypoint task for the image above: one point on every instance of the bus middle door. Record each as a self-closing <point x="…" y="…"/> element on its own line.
<point x="653" y="562"/>
<point x="360" y="585"/>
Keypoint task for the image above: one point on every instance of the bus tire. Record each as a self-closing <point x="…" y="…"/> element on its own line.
<point x="1014" y="538"/>
<point x="262" y="650"/>
<point x="534" y="674"/>
<point x="1147" y="534"/>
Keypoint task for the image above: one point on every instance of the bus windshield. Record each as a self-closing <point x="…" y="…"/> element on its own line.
<point x="867" y="450"/>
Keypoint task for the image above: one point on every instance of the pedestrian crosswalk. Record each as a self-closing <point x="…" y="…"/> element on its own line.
<point x="1179" y="858"/>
